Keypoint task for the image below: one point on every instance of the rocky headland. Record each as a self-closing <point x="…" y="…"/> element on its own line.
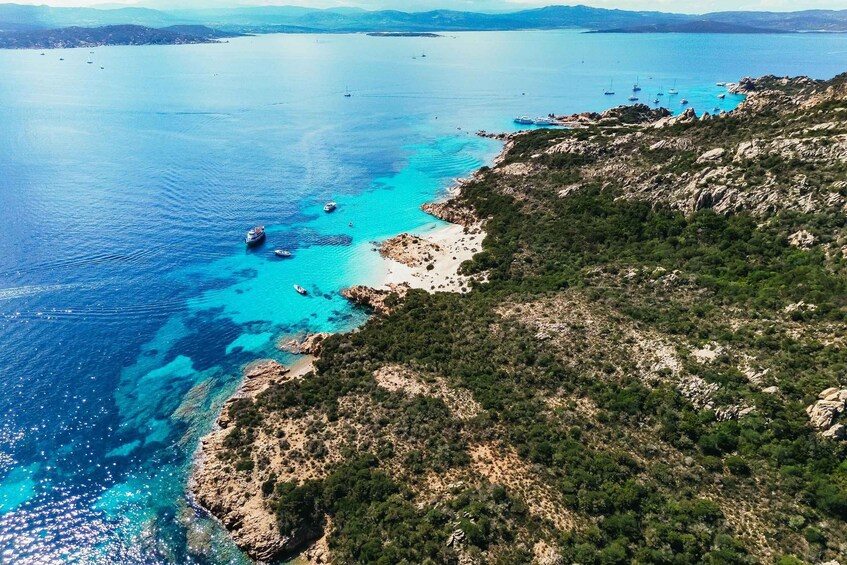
<point x="652" y="371"/>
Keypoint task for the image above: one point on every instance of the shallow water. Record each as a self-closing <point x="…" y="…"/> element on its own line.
<point x="128" y="302"/>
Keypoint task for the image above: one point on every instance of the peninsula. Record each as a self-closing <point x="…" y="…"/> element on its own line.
<point x="71" y="37"/>
<point x="643" y="360"/>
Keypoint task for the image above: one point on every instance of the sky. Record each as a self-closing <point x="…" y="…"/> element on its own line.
<point x="682" y="6"/>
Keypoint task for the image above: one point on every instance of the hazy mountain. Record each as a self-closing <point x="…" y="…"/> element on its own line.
<point x="299" y="19"/>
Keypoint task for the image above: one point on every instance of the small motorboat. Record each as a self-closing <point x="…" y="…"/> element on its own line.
<point x="633" y="98"/>
<point x="684" y="101"/>
<point x="329" y="206"/>
<point x="720" y="84"/>
<point x="721" y="96"/>
<point x="300" y="290"/>
<point x="255" y="236"/>
<point x="284" y="253"/>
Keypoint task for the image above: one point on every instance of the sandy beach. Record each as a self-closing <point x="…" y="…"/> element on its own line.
<point x="432" y="263"/>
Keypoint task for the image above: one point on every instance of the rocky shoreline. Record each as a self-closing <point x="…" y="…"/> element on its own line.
<point x="430" y="262"/>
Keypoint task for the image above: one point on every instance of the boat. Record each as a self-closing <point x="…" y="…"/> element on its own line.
<point x="255" y="236"/>
<point x="329" y="206"/>
<point x="684" y="101"/>
<point x="660" y="93"/>
<point x="716" y="110"/>
<point x="609" y="92"/>
<point x="300" y="290"/>
<point x="423" y="55"/>
<point x="655" y="101"/>
<point x="544" y="121"/>
<point x="635" y="87"/>
<point x="721" y="96"/>
<point x="633" y="98"/>
<point x="720" y="84"/>
<point x="524" y="120"/>
<point x="284" y="253"/>
<point x="42" y="52"/>
<point x="347" y="93"/>
<point x="673" y="91"/>
<point x="61" y="58"/>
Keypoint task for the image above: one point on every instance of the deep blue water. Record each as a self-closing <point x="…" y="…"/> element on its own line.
<point x="128" y="302"/>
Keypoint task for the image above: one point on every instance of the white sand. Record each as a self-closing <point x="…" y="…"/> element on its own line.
<point x="456" y="247"/>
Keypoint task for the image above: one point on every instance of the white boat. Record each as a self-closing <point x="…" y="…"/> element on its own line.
<point x="635" y="87"/>
<point x="544" y="121"/>
<point x="255" y="236"/>
<point x="609" y="92"/>
<point x="524" y="121"/>
<point x="300" y="290"/>
<point x="673" y="91"/>
<point x="329" y="207"/>
<point x="684" y="101"/>
<point x="720" y="84"/>
<point x="284" y="253"/>
<point x="721" y="96"/>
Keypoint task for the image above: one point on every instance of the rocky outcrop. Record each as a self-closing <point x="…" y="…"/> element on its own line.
<point x="305" y="344"/>
<point x="381" y="301"/>
<point x="824" y="413"/>
<point x="451" y="211"/>
<point x="217" y="488"/>
<point x="409" y="249"/>
<point x="802" y="239"/>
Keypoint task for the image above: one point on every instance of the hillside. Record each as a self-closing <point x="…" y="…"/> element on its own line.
<point x="70" y="37"/>
<point x="653" y="372"/>
<point x="698" y="26"/>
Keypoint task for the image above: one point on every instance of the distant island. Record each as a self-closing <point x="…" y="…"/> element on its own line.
<point x="402" y="34"/>
<point x="699" y="26"/>
<point x="72" y="37"/>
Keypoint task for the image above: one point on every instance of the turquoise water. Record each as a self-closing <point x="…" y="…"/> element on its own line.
<point x="128" y="302"/>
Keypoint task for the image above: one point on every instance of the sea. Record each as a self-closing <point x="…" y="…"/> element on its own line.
<point x="129" y="303"/>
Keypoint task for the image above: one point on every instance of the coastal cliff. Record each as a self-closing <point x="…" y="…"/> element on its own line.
<point x="646" y="363"/>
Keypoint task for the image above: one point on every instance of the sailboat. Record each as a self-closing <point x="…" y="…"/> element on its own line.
<point x="609" y="92"/>
<point x="673" y="91"/>
<point x="635" y="87"/>
<point x="90" y="62"/>
<point x="347" y="93"/>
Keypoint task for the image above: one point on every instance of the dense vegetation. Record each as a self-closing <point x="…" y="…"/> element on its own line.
<point x="647" y="473"/>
